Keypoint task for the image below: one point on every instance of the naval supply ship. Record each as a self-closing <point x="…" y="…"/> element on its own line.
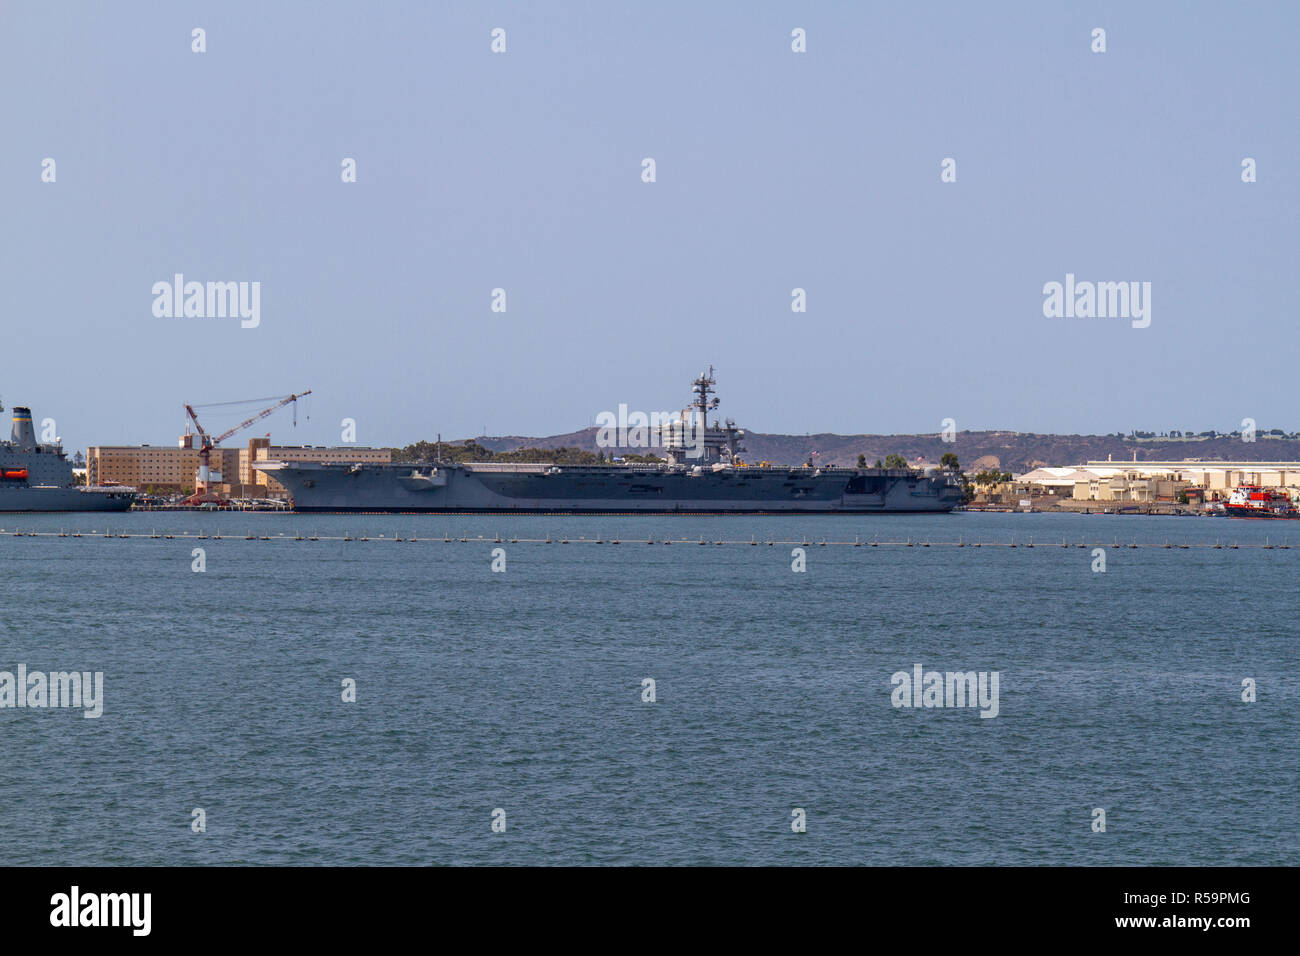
<point x="702" y="474"/>
<point x="36" y="477"/>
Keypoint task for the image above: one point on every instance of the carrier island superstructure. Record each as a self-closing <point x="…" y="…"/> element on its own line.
<point x="702" y="474"/>
<point x="37" y="476"/>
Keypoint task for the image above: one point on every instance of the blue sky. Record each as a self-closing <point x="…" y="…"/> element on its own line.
<point x="775" y="170"/>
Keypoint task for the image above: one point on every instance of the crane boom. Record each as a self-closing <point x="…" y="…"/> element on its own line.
<point x="207" y="442"/>
<point x="195" y="419"/>
<point x="258" y="417"/>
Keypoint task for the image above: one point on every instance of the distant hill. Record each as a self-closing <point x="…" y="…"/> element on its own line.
<point x="1010" y="451"/>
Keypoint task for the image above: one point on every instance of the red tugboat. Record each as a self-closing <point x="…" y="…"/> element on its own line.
<point x="1252" y="501"/>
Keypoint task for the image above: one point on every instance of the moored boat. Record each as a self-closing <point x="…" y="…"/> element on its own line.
<point x="1254" y="501"/>
<point x="702" y="474"/>
<point x="37" y="476"/>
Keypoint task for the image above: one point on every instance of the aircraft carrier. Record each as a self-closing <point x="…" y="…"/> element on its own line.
<point x="37" y="477"/>
<point x="702" y="474"/>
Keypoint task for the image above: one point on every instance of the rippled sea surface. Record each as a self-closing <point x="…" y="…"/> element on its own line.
<point x="522" y="690"/>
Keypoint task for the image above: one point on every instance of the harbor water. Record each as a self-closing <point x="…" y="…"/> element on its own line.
<point x="524" y="690"/>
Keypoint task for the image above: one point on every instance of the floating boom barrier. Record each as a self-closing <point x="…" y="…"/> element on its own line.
<point x="446" y="538"/>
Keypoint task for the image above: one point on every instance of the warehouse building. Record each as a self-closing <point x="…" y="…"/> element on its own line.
<point x="1221" y="476"/>
<point x="1103" y="483"/>
<point x="158" y="469"/>
<point x="1156" y="481"/>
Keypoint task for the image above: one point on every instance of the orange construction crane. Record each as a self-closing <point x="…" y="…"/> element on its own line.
<point x="207" y="442"/>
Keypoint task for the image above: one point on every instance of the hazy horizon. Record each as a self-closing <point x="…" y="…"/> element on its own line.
<point x="775" y="170"/>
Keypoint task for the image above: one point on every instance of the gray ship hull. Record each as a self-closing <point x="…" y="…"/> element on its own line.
<point x="37" y="477"/>
<point x="28" y="499"/>
<point x="611" y="489"/>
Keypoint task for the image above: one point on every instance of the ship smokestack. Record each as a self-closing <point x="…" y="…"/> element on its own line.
<point x="24" y="436"/>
